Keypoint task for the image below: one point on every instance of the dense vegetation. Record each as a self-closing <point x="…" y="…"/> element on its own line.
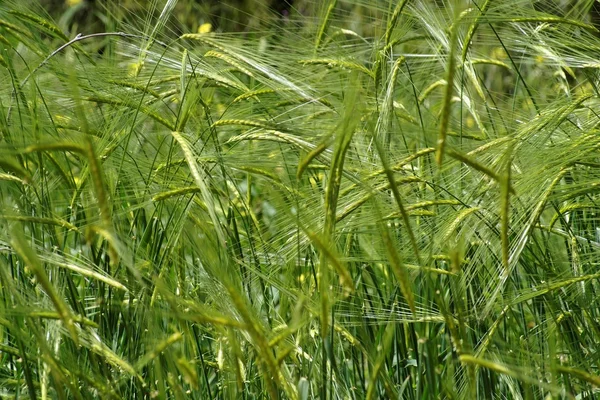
<point x="343" y="200"/>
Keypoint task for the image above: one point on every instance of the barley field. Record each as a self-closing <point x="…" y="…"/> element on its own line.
<point x="337" y="199"/>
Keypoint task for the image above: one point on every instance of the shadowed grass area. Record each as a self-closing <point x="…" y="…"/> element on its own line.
<point x="362" y="200"/>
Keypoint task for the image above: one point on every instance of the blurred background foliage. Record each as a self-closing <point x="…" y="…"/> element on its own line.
<point x="90" y="16"/>
<point x="87" y="16"/>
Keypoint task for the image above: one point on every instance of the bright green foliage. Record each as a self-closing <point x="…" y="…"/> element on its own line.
<point x="373" y="199"/>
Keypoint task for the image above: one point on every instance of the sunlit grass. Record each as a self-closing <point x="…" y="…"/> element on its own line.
<point x="371" y="201"/>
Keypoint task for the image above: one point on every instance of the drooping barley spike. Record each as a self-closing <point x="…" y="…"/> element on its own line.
<point x="398" y="268"/>
<point x="32" y="260"/>
<point x="325" y="24"/>
<point x="473" y="28"/>
<point x="393" y="20"/>
<point x="447" y="102"/>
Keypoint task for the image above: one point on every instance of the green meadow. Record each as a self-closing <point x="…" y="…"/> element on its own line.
<point x="337" y="199"/>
